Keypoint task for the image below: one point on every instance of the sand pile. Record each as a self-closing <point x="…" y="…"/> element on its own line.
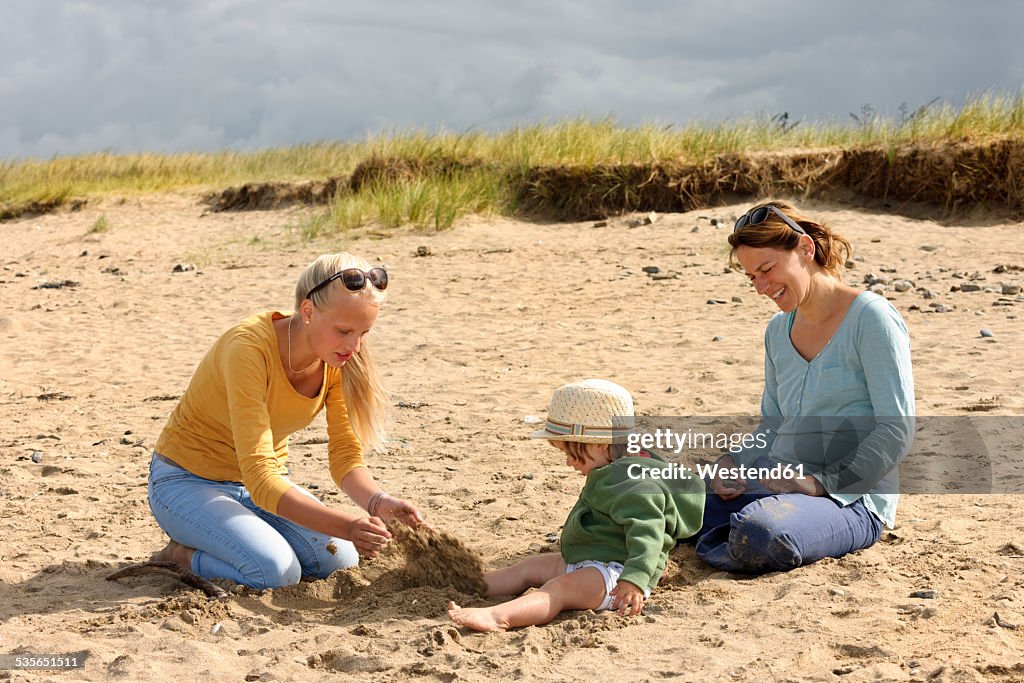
<point x="438" y="559"/>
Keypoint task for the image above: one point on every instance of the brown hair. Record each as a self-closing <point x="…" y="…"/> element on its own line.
<point x="831" y="250"/>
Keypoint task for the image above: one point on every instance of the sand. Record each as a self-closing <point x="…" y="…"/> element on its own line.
<point x="472" y="341"/>
<point x="434" y="557"/>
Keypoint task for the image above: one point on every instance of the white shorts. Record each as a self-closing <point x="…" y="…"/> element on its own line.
<point x="611" y="571"/>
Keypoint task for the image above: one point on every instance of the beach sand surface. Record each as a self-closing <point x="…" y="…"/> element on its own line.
<point x="473" y="339"/>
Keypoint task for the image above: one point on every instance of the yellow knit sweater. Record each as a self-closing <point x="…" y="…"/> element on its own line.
<point x="233" y="422"/>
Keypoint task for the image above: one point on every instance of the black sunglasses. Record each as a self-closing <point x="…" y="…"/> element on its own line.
<point x="760" y="214"/>
<point x="355" y="279"/>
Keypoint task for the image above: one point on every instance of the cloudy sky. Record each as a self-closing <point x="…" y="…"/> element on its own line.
<point x="176" y="75"/>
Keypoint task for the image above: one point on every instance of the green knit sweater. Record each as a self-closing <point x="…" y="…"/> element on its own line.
<point x="632" y="520"/>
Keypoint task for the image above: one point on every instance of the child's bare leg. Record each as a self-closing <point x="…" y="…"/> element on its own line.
<point x="582" y="589"/>
<point x="532" y="572"/>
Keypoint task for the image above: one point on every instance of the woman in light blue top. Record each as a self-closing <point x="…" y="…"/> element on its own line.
<point x="837" y="407"/>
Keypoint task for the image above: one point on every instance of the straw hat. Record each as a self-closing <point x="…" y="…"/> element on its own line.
<point x="591" y="411"/>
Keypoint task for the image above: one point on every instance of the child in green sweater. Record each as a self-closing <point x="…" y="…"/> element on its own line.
<point x="616" y="540"/>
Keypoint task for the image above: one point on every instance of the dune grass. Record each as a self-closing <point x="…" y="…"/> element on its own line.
<point x="437" y="200"/>
<point x="101" y="174"/>
<point x="100" y="225"/>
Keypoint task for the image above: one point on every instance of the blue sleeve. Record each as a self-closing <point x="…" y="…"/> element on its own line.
<point x="883" y="348"/>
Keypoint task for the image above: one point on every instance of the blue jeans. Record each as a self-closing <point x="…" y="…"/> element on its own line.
<point x="761" y="531"/>
<point x="233" y="537"/>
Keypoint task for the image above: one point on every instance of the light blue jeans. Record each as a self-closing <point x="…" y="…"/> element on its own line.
<point x="233" y="537"/>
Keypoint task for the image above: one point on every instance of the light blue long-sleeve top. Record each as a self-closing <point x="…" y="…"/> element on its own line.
<point x="861" y="383"/>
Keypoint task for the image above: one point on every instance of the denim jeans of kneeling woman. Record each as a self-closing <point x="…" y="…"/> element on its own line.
<point x="233" y="537"/>
<point x="761" y="531"/>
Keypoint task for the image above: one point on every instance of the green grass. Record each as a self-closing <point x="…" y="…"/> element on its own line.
<point x="435" y="202"/>
<point x="428" y="202"/>
<point x="431" y="202"/>
<point x="101" y="225"/>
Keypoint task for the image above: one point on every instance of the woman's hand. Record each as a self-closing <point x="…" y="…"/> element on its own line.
<point x="392" y="509"/>
<point x="808" y="485"/>
<point x="369" y="536"/>
<point x="367" y="494"/>
<point x="726" y="488"/>
<point x="628" y="599"/>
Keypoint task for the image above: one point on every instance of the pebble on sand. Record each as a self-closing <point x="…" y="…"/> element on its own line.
<point x="57" y="284"/>
<point x="643" y="220"/>
<point x="872" y="279"/>
<point x="985" y="332"/>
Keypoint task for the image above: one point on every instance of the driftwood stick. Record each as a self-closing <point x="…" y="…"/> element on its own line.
<point x="161" y="567"/>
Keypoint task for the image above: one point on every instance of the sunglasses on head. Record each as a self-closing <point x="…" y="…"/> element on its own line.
<point x="355" y="279"/>
<point x="760" y="215"/>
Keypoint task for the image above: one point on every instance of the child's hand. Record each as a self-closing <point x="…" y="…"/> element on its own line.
<point x="628" y="598"/>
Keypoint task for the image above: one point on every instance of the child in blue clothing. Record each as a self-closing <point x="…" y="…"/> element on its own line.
<point x="616" y="540"/>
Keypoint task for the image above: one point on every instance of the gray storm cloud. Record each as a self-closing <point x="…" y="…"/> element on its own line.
<point x="175" y="76"/>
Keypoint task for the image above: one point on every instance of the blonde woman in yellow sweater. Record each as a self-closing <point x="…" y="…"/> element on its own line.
<point x="218" y="481"/>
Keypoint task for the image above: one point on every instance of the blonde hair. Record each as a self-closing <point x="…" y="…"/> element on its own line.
<point x="365" y="397"/>
<point x="831" y="250"/>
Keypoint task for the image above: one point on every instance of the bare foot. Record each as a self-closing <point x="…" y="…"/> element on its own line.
<point x="177" y="553"/>
<point x="476" y="618"/>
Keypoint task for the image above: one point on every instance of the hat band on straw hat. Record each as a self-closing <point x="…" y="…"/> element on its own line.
<point x="572" y="429"/>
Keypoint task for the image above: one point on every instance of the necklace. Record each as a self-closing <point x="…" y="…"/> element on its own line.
<point x="316" y="361"/>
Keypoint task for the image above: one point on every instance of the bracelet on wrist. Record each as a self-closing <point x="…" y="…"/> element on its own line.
<point x="374" y="503"/>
